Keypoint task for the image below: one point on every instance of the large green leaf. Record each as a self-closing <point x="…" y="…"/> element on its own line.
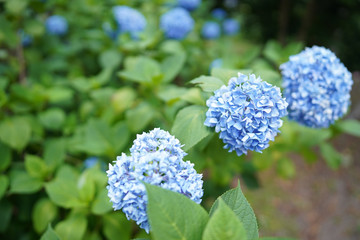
<point x="116" y="226"/>
<point x="172" y="65"/>
<point x="350" y="126"/>
<point x="189" y="126"/>
<point x="50" y="234"/>
<point x="174" y="216"/>
<point x="22" y="182"/>
<point x="73" y="227"/>
<point x="43" y="213"/>
<point x="15" y="132"/>
<point x="35" y="166"/>
<point x="237" y="202"/>
<point x="224" y="224"/>
<point x="207" y="83"/>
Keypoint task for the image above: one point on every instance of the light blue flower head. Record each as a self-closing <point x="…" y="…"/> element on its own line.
<point x="56" y="25"/>
<point x="211" y="30"/>
<point x="317" y="86"/>
<point x="247" y="113"/>
<point x="156" y="158"/>
<point x="129" y="20"/>
<point x="231" y="26"/>
<point x="219" y="13"/>
<point x="189" y="4"/>
<point x="176" y="23"/>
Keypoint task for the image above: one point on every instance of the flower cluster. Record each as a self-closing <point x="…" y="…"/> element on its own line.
<point x="317" y="87"/>
<point x="189" y="4"/>
<point x="129" y="20"/>
<point x="176" y="23"/>
<point x="156" y="158"/>
<point x="247" y="113"/>
<point x="231" y="26"/>
<point x="218" y="13"/>
<point x="56" y="25"/>
<point x="211" y="30"/>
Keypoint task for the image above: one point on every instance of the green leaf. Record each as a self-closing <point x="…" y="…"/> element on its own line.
<point x="237" y="202"/>
<point x="54" y="152"/>
<point x="73" y="227"/>
<point x="225" y="74"/>
<point x="86" y="186"/>
<point x="15" y="132"/>
<point x="59" y="94"/>
<point x="272" y="51"/>
<point x="174" y="216"/>
<point x="50" y="234"/>
<point x="139" y="117"/>
<point x="6" y="210"/>
<point x="43" y="213"/>
<point x="350" y="126"/>
<point x="189" y="126"/>
<point x="332" y="157"/>
<point x="22" y="182"/>
<point x="101" y="203"/>
<point x="123" y="99"/>
<point x="52" y="119"/>
<point x="224" y="224"/>
<point x="4" y="183"/>
<point x="35" y="166"/>
<point x="116" y="226"/>
<point x="5" y="156"/>
<point x="208" y="84"/>
<point x="171" y="66"/>
<point x="110" y="59"/>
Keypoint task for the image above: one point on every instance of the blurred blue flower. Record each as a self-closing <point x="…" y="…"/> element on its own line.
<point x="189" y="4"/>
<point x="217" y="63"/>
<point x="317" y="87"/>
<point x="231" y="26"/>
<point x="156" y="159"/>
<point x="247" y="113"/>
<point x="93" y="161"/>
<point x="219" y="13"/>
<point x="129" y="20"/>
<point x="210" y="30"/>
<point x="25" y="38"/>
<point x="109" y="31"/>
<point x="176" y="23"/>
<point x="56" y="25"/>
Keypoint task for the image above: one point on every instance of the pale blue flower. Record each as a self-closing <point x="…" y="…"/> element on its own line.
<point x="317" y="86"/>
<point x="156" y="158"/>
<point x="211" y="30"/>
<point x="247" y="113"/>
<point x="176" y="23"/>
<point x="189" y="4"/>
<point x="129" y="20"/>
<point x="219" y="13"/>
<point x="231" y="26"/>
<point x="56" y="25"/>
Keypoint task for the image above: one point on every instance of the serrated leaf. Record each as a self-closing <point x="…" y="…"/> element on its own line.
<point x="207" y="83"/>
<point x="116" y="226"/>
<point x="43" y="213"/>
<point x="4" y="183"/>
<point x="350" y="126"/>
<point x="50" y="234"/>
<point x="332" y="157"/>
<point x="189" y="126"/>
<point x="237" y="202"/>
<point x="22" y="182"/>
<point x="73" y="227"/>
<point x="174" y="216"/>
<point x="224" y="224"/>
<point x="15" y="132"/>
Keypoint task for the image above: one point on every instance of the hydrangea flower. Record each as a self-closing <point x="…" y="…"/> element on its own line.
<point x="217" y="63"/>
<point x="317" y="86"/>
<point x="25" y="38"/>
<point x="56" y="25"/>
<point x="93" y="161"/>
<point x="176" y="23"/>
<point x="156" y="158"/>
<point x="129" y="20"/>
<point x="210" y="30"/>
<point x="231" y="26"/>
<point x="247" y="113"/>
<point x="189" y="4"/>
<point x="219" y="13"/>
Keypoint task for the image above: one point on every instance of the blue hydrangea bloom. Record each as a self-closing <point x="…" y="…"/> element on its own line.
<point x="217" y="63"/>
<point x="247" y="113"/>
<point x="231" y="26"/>
<point x="25" y="38"/>
<point x="211" y="30"/>
<point x="93" y="161"/>
<point x="317" y="86"/>
<point x="219" y="13"/>
<point x="129" y="20"/>
<point x="176" y="23"/>
<point x="156" y="158"/>
<point x="56" y="25"/>
<point x="189" y="4"/>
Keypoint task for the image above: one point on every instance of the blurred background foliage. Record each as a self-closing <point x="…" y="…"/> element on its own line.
<point x="70" y="104"/>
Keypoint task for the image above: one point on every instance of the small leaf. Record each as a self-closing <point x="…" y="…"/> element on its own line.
<point x="50" y="234"/>
<point x="4" y="183"/>
<point x="110" y="59"/>
<point x="174" y="216"/>
<point x="15" y="132"/>
<point x="53" y="118"/>
<point x="208" y="84"/>
<point x="43" y="213"/>
<point x="22" y="182"/>
<point x="116" y="226"/>
<point x="73" y="227"/>
<point x="237" y="202"/>
<point x="332" y="157"/>
<point x="35" y="166"/>
<point x="189" y="126"/>
<point x="224" y="224"/>
<point x="350" y="126"/>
